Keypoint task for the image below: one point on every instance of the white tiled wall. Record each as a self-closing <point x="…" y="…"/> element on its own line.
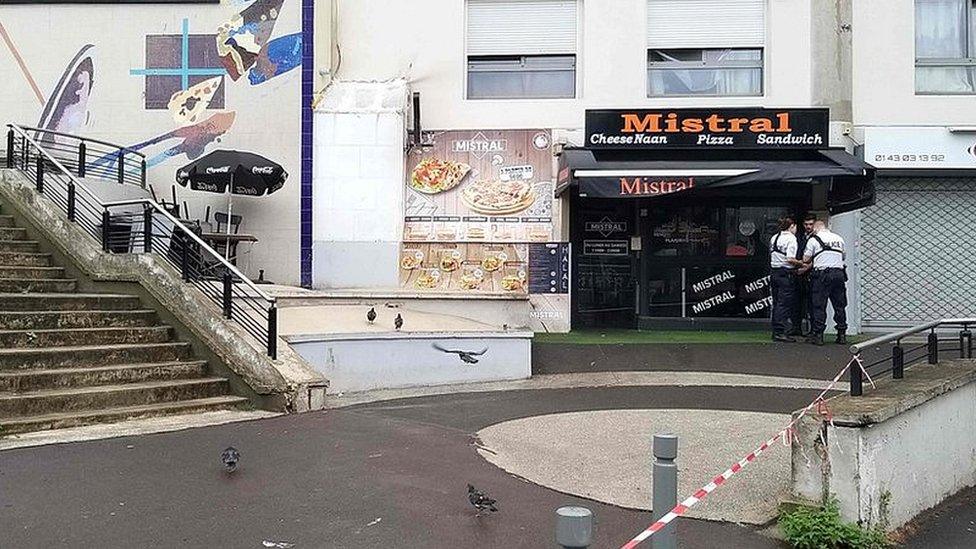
<point x="358" y="199"/>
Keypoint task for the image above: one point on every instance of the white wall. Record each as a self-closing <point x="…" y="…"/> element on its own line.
<point x="358" y="185"/>
<point x="266" y="116"/>
<point x="884" y="71"/>
<point x="424" y="42"/>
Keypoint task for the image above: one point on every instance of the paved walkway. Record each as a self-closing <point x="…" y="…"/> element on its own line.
<point x="323" y="479"/>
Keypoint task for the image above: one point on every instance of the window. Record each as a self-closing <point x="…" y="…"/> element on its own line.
<point x="503" y="77"/>
<point x="705" y="47"/>
<point x="521" y="49"/>
<point x="704" y="72"/>
<point x="945" y="46"/>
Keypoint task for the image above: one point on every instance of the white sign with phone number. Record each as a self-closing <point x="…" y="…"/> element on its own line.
<point x="919" y="147"/>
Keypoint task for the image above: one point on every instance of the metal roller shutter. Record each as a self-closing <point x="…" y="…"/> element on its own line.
<point x="706" y="23"/>
<point x="916" y="252"/>
<point x="521" y="27"/>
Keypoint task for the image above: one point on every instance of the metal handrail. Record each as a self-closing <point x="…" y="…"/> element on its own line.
<point x="898" y="361"/>
<point x="148" y="207"/>
<point x="80" y="138"/>
<point x="858" y="347"/>
<point x="226" y="264"/>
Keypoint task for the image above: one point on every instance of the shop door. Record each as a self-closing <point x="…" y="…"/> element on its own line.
<point x="605" y="266"/>
<point x="708" y="260"/>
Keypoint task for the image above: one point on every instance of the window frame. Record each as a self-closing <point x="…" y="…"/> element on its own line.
<point x="952" y="62"/>
<point x="703" y="65"/>
<point x="522" y="69"/>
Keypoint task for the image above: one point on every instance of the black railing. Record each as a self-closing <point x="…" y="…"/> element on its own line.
<point x="142" y="226"/>
<point x="901" y="357"/>
<point x="87" y="157"/>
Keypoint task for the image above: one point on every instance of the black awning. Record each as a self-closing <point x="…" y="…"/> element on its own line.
<point x="851" y="179"/>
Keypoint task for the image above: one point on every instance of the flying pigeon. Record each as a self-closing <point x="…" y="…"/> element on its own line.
<point x="230" y="457"/>
<point x="481" y="501"/>
<point x="465" y="356"/>
<point x="371" y="315"/>
<point x="398" y="322"/>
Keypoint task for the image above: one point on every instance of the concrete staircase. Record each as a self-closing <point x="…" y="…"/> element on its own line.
<point x="69" y="358"/>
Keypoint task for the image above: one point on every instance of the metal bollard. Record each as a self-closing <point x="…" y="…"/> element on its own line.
<point x="574" y="527"/>
<point x="665" y="496"/>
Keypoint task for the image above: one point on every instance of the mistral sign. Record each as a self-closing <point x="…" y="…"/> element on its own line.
<point x="735" y="128"/>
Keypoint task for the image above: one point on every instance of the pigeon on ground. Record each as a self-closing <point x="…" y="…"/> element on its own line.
<point x="481" y="501"/>
<point x="466" y="356"/>
<point x="230" y="457"/>
<point x="371" y="315"/>
<point x="398" y="322"/>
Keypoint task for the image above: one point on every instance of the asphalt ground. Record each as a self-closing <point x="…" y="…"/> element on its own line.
<point x="952" y="524"/>
<point x="323" y="479"/>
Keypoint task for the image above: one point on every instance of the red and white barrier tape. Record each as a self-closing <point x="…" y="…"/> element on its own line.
<point x="787" y="434"/>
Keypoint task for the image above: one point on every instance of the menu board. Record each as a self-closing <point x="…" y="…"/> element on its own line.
<point x="480" y="186"/>
<point x="549" y="268"/>
<point x="465" y="267"/>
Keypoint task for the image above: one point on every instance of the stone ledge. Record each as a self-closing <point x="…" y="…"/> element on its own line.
<point x="891" y="397"/>
<point x="285" y="384"/>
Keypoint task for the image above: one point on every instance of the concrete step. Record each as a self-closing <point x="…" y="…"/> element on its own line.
<point x="24" y="259"/>
<point x="13" y="233"/>
<point x="30" y="320"/>
<point x="31" y="272"/>
<point x="108" y="396"/>
<point x="83" y="336"/>
<point x="74" y="419"/>
<point x="86" y="356"/>
<point x="6" y="221"/>
<point x="35" y="380"/>
<point x="41" y="285"/>
<point x="18" y="246"/>
<point x="67" y="302"/>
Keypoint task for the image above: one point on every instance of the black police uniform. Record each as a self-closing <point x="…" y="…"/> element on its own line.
<point x="782" y="287"/>
<point x="828" y="284"/>
<point x="802" y="308"/>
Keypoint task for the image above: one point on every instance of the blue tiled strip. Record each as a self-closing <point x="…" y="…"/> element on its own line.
<point x="308" y="79"/>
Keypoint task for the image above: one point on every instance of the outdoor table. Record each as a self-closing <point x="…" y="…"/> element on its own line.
<point x="218" y="241"/>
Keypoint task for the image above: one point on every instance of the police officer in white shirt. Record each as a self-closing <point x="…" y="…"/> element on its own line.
<point x="782" y="269"/>
<point x="825" y="253"/>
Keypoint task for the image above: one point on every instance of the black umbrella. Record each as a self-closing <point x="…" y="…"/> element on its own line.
<point x="244" y="173"/>
<point x="240" y="173"/>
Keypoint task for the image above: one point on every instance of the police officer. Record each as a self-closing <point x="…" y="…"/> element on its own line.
<point x="802" y="309"/>
<point x="825" y="252"/>
<point x="782" y="265"/>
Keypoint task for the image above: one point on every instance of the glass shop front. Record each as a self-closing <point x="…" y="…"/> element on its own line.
<point x="668" y="231"/>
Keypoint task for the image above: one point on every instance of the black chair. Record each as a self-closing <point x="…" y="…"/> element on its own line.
<point x="220" y="218"/>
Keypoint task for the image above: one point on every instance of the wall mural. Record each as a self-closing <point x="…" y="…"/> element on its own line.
<point x="184" y="73"/>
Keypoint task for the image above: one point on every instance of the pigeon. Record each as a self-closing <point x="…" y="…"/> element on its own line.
<point x="371" y="315"/>
<point x="398" y="322"/>
<point x="465" y="356"/>
<point x="230" y="457"/>
<point x="481" y="501"/>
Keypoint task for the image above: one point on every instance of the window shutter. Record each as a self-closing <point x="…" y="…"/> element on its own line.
<point x="521" y="27"/>
<point x="706" y="23"/>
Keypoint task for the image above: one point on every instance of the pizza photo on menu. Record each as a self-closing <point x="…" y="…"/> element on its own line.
<point x="498" y="197"/>
<point x="432" y="176"/>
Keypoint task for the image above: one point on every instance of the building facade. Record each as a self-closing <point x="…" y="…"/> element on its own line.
<point x="919" y="129"/>
<point x="503" y="80"/>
